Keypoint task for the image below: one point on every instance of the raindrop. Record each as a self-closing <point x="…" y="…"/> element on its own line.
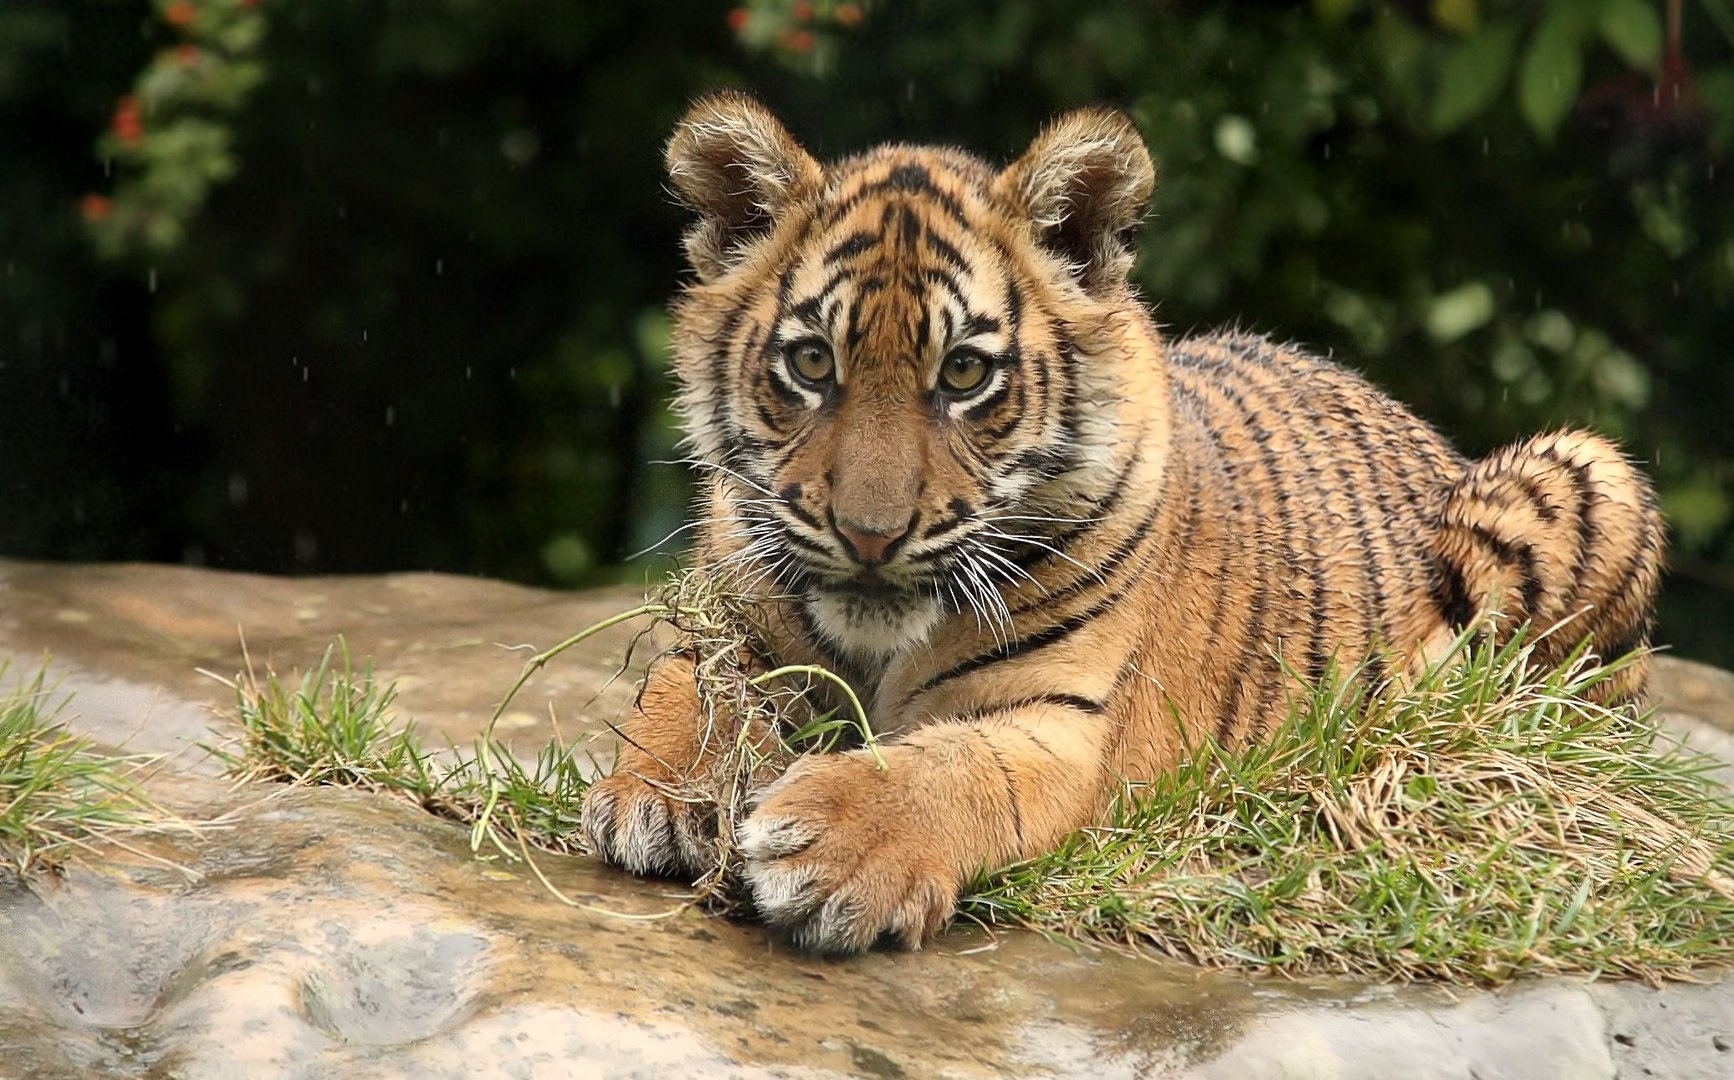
<point x="294" y="361"/>
<point x="304" y="372"/>
<point x="403" y="506"/>
<point x="1712" y="171"/>
<point x="1486" y="146"/>
<point x="1676" y="288"/>
<point x="614" y="396"/>
<point x="469" y="372"/>
<point x="512" y="373"/>
<point x="151" y="280"/>
<point x="237" y="489"/>
<point x="107" y="168"/>
<point x="364" y="335"/>
<point x="521" y="147"/>
<point x="439" y="268"/>
<point x="390" y="415"/>
<point x="1327" y="151"/>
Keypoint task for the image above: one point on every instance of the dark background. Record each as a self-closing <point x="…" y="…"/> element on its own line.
<point x="303" y="286"/>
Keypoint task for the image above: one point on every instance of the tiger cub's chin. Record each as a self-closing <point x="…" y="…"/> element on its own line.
<point x="874" y="624"/>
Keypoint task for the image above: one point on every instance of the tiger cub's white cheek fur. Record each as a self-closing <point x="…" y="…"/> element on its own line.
<point x="874" y="626"/>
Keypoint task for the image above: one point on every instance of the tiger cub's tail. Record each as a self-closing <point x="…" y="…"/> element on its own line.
<point x="1558" y="527"/>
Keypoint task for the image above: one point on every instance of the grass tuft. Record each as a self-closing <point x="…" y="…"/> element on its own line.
<point x="57" y="792"/>
<point x="337" y="726"/>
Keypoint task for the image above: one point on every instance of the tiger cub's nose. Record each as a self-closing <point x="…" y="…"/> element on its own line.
<point x="869" y="545"/>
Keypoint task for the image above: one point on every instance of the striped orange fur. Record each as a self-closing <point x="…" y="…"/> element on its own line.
<point x="950" y="449"/>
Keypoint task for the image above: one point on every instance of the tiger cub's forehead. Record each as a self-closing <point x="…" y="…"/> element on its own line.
<point x="898" y="260"/>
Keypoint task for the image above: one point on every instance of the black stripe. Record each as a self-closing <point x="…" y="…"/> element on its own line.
<point x="1584" y="489"/>
<point x="719" y="357"/>
<point x="1368" y="453"/>
<point x="980" y="324"/>
<point x="944" y="280"/>
<point x="1061" y="700"/>
<point x="808" y="308"/>
<point x="909" y="178"/>
<point x="1023" y="647"/>
<point x="979" y="408"/>
<point x="898" y="181"/>
<point x="1104" y="570"/>
<point x="1106" y="505"/>
<point x="961" y="512"/>
<point x="1255" y="648"/>
<point x="850" y="246"/>
<point x="797" y="540"/>
<point x="945" y="251"/>
<point x="908" y="225"/>
<point x="1249" y="650"/>
<point x="1449" y="592"/>
<point x="1523" y="555"/>
<point x="800" y="513"/>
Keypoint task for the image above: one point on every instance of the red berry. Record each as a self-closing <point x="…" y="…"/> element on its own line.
<point x="95" y="207"/>
<point x="181" y="13"/>
<point x="126" y="124"/>
<point x="803" y="11"/>
<point x="187" y="55"/>
<point x="801" y="41"/>
<point x="849" y="14"/>
<point x="737" y="19"/>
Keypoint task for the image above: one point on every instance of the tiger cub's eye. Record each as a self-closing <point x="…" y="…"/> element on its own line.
<point x="962" y="371"/>
<point x="812" y="361"/>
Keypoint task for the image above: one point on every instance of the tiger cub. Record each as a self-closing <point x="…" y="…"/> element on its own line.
<point x="949" y="446"/>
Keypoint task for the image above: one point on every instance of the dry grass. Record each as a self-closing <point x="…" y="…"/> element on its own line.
<point x="1487" y="821"/>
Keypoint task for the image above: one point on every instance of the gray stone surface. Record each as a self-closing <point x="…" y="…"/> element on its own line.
<point x="323" y="933"/>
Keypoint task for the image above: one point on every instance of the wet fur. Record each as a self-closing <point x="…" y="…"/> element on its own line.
<point x="1126" y="530"/>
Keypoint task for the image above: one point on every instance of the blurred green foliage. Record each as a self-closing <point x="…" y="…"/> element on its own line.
<point x="379" y="284"/>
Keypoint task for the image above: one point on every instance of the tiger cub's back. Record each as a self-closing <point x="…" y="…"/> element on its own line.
<point x="1322" y="531"/>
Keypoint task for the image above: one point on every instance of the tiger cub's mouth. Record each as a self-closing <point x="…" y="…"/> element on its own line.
<point x="867" y="583"/>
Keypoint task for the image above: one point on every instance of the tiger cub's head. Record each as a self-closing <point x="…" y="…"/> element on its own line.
<point x="907" y="370"/>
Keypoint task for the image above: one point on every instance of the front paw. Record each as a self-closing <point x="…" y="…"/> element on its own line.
<point x="840" y="854"/>
<point x="648" y="829"/>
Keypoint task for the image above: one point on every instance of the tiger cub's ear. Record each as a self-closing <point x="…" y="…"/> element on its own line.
<point x="1084" y="182"/>
<point x="738" y="168"/>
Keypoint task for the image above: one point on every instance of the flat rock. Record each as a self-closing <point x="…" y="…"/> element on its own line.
<point x="329" y="933"/>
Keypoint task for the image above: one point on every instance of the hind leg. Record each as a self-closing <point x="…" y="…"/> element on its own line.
<point x="1557" y="528"/>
